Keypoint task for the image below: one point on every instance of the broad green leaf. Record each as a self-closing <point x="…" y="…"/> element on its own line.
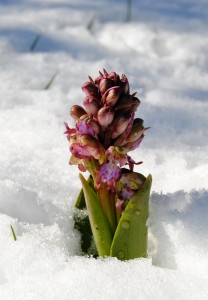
<point x="99" y="224"/>
<point x="130" y="239"/>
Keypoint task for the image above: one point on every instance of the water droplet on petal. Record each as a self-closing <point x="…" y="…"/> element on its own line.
<point x="121" y="254"/>
<point x="125" y="225"/>
<point x="137" y="212"/>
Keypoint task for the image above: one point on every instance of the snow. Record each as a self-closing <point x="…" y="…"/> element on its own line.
<point x="163" y="52"/>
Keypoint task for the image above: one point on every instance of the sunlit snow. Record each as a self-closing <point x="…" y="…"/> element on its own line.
<point x="163" y="52"/>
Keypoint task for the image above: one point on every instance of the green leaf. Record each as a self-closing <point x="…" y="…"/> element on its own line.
<point x="80" y="202"/>
<point x="99" y="224"/>
<point x="130" y="239"/>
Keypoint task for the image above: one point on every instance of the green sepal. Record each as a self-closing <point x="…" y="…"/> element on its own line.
<point x="80" y="202"/>
<point x="130" y="239"/>
<point x="100" y="226"/>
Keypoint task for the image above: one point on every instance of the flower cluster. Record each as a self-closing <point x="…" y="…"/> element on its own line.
<point x="105" y="131"/>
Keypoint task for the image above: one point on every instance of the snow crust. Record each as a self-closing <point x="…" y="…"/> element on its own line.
<point x="163" y="52"/>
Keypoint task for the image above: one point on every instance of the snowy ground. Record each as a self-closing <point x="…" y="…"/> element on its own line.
<point x="163" y="51"/>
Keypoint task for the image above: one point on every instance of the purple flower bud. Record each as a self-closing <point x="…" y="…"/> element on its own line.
<point x="86" y="125"/>
<point x="135" y="102"/>
<point x="125" y="84"/>
<point x="105" y="116"/>
<point x="119" y="125"/>
<point x="89" y="89"/>
<point x="113" y="76"/>
<point x="105" y="72"/>
<point x="127" y="103"/>
<point x="136" y="131"/>
<point x="76" y="112"/>
<point x="104" y="85"/>
<point x="97" y="80"/>
<point x="111" y="96"/>
<point x="133" y="145"/>
<point x="128" y="184"/>
<point x="123" y="136"/>
<point x="91" y="105"/>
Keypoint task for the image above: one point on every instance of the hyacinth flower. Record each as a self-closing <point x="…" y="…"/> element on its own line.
<point x="115" y="196"/>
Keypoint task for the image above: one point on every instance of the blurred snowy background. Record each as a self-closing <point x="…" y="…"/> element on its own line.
<point x="163" y="51"/>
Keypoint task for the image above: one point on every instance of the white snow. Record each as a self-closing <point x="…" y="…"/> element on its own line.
<point x="163" y="52"/>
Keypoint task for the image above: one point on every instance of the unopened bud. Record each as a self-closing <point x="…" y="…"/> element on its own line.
<point x="97" y="80"/>
<point x="105" y="84"/>
<point x="130" y="146"/>
<point x="89" y="89"/>
<point x="105" y="116"/>
<point x="125" y="84"/>
<point x="91" y="105"/>
<point x="135" y="102"/>
<point x="111" y="96"/>
<point x="114" y="76"/>
<point x="127" y="103"/>
<point x="119" y="125"/>
<point x="76" y="112"/>
<point x="136" y="131"/>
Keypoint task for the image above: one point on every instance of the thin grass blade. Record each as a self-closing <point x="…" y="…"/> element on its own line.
<point x="34" y="43"/>
<point x="48" y="85"/>
<point x="13" y="233"/>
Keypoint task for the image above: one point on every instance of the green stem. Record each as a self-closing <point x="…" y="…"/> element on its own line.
<point x="106" y="197"/>
<point x="107" y="202"/>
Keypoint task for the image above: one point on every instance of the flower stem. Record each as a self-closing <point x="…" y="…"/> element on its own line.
<point x="107" y="202"/>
